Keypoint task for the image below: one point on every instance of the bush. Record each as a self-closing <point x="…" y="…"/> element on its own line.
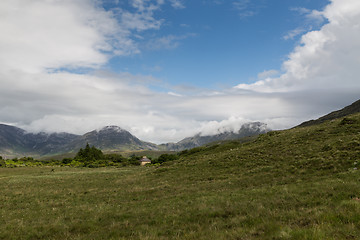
<point x="89" y="154"/>
<point x="134" y="160"/>
<point x="165" y="158"/>
<point x="348" y="121"/>
<point x="116" y="158"/>
<point x="2" y="163"/>
<point x="66" y="160"/>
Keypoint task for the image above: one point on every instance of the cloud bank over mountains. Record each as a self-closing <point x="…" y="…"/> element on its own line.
<point x="45" y="44"/>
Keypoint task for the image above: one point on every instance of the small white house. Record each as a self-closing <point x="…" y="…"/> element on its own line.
<point x="144" y="160"/>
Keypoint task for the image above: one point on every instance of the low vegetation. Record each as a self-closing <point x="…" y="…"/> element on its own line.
<point x="89" y="157"/>
<point x="302" y="183"/>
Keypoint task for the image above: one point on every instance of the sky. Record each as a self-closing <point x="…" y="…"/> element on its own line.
<point x="168" y="69"/>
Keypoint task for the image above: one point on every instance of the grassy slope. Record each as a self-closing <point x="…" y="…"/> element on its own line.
<point x="294" y="184"/>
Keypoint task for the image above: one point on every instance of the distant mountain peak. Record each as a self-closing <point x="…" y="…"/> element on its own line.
<point x="112" y="128"/>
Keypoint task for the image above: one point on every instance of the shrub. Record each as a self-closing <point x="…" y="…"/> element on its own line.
<point x="2" y="163"/>
<point x="89" y="154"/>
<point x="134" y="160"/>
<point x="116" y="158"/>
<point x="66" y="160"/>
<point x="347" y="121"/>
<point x="166" y="158"/>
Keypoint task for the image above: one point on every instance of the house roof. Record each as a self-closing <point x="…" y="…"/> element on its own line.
<point x="145" y="159"/>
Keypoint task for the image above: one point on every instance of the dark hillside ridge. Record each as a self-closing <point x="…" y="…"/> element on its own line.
<point x="351" y="109"/>
<point x="10" y="136"/>
<point x="16" y="141"/>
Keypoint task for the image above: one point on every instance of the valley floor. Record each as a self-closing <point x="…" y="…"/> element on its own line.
<point x="157" y="203"/>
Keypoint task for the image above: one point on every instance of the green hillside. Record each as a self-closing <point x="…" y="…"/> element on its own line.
<point x="301" y="183"/>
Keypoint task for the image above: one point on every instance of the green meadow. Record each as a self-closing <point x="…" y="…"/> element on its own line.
<point x="301" y="183"/>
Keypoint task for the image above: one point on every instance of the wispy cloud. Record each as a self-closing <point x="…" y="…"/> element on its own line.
<point x="312" y="19"/>
<point x="184" y="25"/>
<point x="293" y="33"/>
<point x="246" y="8"/>
<point x="241" y="4"/>
<point x="146" y="5"/>
<point x="177" y="4"/>
<point x="268" y="73"/>
<point x="168" y="42"/>
<point x="314" y="16"/>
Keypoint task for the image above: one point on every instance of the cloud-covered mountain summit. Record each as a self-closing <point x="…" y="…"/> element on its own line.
<point x="246" y="130"/>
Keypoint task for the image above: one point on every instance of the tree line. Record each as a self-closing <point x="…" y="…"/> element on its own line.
<point x="89" y="156"/>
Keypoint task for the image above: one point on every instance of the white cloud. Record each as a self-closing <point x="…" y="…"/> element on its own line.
<point x="38" y="35"/>
<point x="325" y="59"/>
<point x="232" y="124"/>
<point x="43" y="34"/>
<point x="316" y="16"/>
<point x="174" y="94"/>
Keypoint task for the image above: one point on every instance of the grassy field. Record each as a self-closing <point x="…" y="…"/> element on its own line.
<point x="301" y="183"/>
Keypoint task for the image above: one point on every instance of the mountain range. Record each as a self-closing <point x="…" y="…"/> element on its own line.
<point x="16" y="142"/>
<point x="246" y="130"/>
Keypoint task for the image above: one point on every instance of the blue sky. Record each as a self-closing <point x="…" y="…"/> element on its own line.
<point x="212" y="44"/>
<point x="168" y="69"/>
